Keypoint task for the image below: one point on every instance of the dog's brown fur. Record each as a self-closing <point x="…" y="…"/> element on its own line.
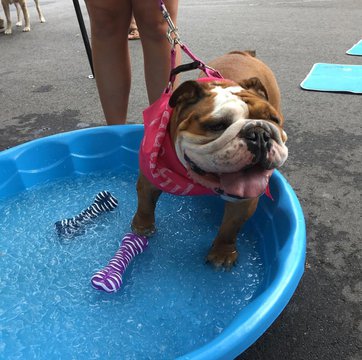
<point x="20" y="7"/>
<point x="258" y="79"/>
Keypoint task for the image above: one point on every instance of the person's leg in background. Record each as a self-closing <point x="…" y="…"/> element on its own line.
<point x="110" y="21"/>
<point x="156" y="48"/>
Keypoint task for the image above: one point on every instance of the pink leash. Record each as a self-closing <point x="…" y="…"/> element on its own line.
<point x="174" y="39"/>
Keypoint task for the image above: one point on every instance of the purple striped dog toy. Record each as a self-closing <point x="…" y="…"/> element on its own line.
<point x="109" y="279"/>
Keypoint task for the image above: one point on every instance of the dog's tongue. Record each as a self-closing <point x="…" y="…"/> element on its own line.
<point x="247" y="183"/>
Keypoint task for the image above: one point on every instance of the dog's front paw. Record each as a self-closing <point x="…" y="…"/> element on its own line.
<point x="148" y="230"/>
<point x="222" y="256"/>
<point x="26" y="29"/>
<point x="143" y="225"/>
<point x="144" y="231"/>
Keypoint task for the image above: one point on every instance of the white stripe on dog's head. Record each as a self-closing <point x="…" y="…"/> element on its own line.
<point x="226" y="103"/>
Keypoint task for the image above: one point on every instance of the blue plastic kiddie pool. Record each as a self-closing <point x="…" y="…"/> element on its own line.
<point x="173" y="305"/>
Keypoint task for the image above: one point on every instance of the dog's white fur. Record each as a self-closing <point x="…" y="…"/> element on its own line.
<point x="20" y="7"/>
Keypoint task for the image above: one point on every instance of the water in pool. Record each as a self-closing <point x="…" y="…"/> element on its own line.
<point x="171" y="302"/>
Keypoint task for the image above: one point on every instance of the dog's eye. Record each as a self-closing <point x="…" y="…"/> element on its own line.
<point x="275" y="119"/>
<point x="217" y="126"/>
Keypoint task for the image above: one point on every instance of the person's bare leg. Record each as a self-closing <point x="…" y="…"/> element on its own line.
<point x="156" y="48"/>
<point x="110" y="21"/>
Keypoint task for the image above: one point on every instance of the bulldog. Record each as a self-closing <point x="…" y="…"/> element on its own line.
<point x="217" y="136"/>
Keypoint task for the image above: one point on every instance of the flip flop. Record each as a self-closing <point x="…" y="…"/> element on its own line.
<point x="133" y="34"/>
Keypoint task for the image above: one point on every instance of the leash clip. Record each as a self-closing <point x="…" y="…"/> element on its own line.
<point x="172" y="32"/>
<point x="173" y="37"/>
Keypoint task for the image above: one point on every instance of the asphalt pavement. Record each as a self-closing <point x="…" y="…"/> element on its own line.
<point x="45" y="89"/>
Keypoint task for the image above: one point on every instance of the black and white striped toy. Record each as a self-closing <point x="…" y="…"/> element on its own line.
<point x="103" y="202"/>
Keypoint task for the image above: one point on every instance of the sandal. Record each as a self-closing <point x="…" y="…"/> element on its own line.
<point x="133" y="34"/>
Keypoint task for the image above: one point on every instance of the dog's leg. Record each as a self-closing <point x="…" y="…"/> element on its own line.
<point x="6" y="8"/>
<point x="18" y="14"/>
<point x="41" y="17"/>
<point x="26" y="15"/>
<point x="143" y="222"/>
<point x="223" y="251"/>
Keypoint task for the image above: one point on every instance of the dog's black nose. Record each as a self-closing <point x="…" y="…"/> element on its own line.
<point x="258" y="137"/>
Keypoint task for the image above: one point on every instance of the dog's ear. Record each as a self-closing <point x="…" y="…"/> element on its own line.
<point x="188" y="92"/>
<point x="252" y="53"/>
<point x="255" y="85"/>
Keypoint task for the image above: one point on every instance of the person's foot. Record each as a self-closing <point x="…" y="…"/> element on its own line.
<point x="133" y="34"/>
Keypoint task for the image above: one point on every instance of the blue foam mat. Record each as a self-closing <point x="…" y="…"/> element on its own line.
<point x="356" y="49"/>
<point x="334" y="77"/>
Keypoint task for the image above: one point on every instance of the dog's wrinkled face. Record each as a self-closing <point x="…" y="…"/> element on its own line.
<point x="228" y="135"/>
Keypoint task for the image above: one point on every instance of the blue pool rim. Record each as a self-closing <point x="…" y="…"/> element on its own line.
<point x="81" y="152"/>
